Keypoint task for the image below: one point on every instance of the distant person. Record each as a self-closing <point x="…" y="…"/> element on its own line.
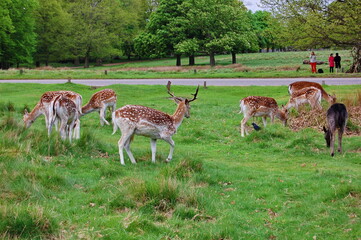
<point x="331" y="62"/>
<point x="337" y="62"/>
<point x="313" y="62"/>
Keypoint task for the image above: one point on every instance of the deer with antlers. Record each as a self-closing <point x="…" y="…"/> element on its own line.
<point x="100" y="101"/>
<point x="67" y="112"/>
<point x="45" y="107"/>
<point x="309" y="95"/>
<point x="140" y="120"/>
<point x="304" y="84"/>
<point x="255" y="106"/>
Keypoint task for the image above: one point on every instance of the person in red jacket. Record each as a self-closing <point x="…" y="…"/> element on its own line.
<point x="331" y="61"/>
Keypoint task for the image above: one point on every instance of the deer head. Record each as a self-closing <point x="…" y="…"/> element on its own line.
<point x="179" y="100"/>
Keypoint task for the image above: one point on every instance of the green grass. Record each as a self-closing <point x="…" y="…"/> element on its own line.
<point x="272" y="184"/>
<point x="250" y="65"/>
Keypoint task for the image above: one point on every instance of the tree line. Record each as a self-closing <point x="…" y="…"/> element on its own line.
<point x="43" y="31"/>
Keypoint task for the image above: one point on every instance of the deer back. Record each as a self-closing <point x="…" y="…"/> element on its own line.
<point x="255" y="104"/>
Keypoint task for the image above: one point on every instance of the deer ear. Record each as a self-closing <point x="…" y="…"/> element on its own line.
<point x="324" y="129"/>
<point x="25" y="111"/>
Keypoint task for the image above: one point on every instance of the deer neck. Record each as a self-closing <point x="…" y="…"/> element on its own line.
<point x="36" y="112"/>
<point x="88" y="108"/>
<point x="179" y="114"/>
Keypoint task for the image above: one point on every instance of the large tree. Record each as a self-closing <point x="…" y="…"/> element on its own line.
<point x="17" y="36"/>
<point x="321" y="23"/>
<point x="52" y="28"/>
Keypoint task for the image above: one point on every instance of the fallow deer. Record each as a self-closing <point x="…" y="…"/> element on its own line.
<point x="148" y="122"/>
<point x="254" y="106"/>
<point x="336" y="119"/>
<point x="304" y="84"/>
<point x="309" y="95"/>
<point x="66" y="111"/>
<point x="100" y="101"/>
<point x="45" y="107"/>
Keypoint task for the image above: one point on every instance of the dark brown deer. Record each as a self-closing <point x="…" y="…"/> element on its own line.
<point x="140" y="120"/>
<point x="336" y="120"/>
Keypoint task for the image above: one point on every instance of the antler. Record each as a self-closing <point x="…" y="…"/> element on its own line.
<point x="194" y="95"/>
<point x="168" y="87"/>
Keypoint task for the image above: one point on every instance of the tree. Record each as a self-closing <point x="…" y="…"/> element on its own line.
<point x="52" y="29"/>
<point x="218" y="25"/>
<point x="167" y="27"/>
<point x="322" y="23"/>
<point x="17" y="37"/>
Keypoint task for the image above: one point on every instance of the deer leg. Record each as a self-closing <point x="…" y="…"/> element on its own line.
<point x="127" y="149"/>
<point x="76" y="132"/>
<point x="102" y="113"/>
<point x="340" y="132"/>
<point x="264" y="120"/>
<point x="126" y="135"/>
<point x="63" y="129"/>
<point x="243" y="125"/>
<point x="332" y="145"/>
<point x="171" y="143"/>
<point x="153" y="145"/>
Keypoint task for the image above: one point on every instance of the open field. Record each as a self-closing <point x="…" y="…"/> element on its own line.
<point x="250" y="65"/>
<point x="276" y="183"/>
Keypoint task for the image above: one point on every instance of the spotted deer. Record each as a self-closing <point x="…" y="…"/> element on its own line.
<point x="67" y="112"/>
<point x="304" y="84"/>
<point x="336" y="120"/>
<point x="254" y="106"/>
<point x="100" y="101"/>
<point x="309" y="95"/>
<point x="45" y="107"/>
<point x="140" y="120"/>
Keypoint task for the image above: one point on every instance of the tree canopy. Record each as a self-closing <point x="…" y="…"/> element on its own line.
<point x="322" y="23"/>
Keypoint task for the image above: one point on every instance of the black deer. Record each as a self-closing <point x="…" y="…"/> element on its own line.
<point x="336" y="119"/>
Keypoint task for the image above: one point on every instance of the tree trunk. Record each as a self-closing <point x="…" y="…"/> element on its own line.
<point x="76" y="61"/>
<point x="191" y="60"/>
<point x="37" y="64"/>
<point x="86" y="60"/>
<point x="179" y="61"/>
<point x="212" y="60"/>
<point x="234" y="58"/>
<point x="356" y="65"/>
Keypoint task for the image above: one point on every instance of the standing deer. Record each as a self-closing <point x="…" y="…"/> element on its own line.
<point x="304" y="84"/>
<point x="66" y="111"/>
<point x="100" y="101"/>
<point x="254" y="106"/>
<point x="309" y="95"/>
<point x="148" y="122"/>
<point x="336" y="119"/>
<point x="45" y="107"/>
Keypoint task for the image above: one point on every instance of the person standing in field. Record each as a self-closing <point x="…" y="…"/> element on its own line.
<point x="313" y="62"/>
<point x="331" y="61"/>
<point x="337" y="62"/>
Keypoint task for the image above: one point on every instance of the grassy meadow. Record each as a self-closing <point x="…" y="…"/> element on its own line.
<point x="272" y="184"/>
<point x="249" y="65"/>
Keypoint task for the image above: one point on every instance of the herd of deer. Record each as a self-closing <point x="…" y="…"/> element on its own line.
<point x="66" y="107"/>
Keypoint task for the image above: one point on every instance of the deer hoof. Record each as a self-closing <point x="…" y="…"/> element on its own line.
<point x="168" y="160"/>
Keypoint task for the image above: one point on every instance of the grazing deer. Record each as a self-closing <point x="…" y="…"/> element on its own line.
<point x="148" y="122"/>
<point x="336" y="119"/>
<point x="45" y="107"/>
<point x="68" y="113"/>
<point x="309" y="95"/>
<point x="304" y="84"/>
<point x="100" y="101"/>
<point x="264" y="107"/>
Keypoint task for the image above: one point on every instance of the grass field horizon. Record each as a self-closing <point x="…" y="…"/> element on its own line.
<point x="249" y="65"/>
<point x="273" y="184"/>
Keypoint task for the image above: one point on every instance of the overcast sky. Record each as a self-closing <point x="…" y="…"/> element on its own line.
<point x="252" y="5"/>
